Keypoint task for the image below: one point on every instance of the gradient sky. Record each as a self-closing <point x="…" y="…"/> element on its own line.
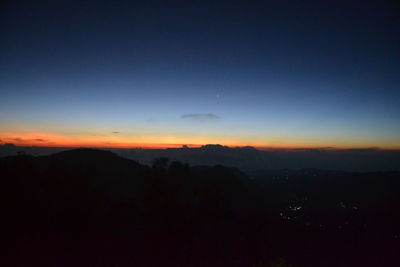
<point x="262" y="73"/>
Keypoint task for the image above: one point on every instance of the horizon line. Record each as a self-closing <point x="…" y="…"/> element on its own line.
<point x="192" y="146"/>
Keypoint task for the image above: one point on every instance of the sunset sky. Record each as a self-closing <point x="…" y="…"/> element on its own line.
<point x="163" y="74"/>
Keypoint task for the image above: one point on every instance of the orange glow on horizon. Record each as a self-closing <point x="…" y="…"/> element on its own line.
<point x="43" y="139"/>
<point x="166" y="145"/>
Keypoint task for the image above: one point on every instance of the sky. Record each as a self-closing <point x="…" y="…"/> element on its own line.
<point x="168" y="73"/>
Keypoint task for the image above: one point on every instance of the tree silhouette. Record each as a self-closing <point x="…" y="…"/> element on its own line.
<point x="160" y="164"/>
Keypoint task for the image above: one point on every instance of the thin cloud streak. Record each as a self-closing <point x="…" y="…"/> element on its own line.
<point x="200" y="116"/>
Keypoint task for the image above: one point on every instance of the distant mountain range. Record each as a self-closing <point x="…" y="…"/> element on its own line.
<point x="249" y="158"/>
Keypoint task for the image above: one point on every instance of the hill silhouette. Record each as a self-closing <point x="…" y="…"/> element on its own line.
<point x="89" y="207"/>
<point x="249" y="159"/>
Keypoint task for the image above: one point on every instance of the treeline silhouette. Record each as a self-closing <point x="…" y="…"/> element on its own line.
<point x="88" y="207"/>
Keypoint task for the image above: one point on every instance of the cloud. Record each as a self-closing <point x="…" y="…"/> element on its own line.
<point x="20" y="140"/>
<point x="200" y="116"/>
<point x="115" y="132"/>
<point x="319" y="149"/>
<point x="366" y="149"/>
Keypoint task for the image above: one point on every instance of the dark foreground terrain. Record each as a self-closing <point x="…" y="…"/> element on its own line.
<point x="93" y="208"/>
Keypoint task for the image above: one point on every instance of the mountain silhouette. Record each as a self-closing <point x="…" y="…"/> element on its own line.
<point x="90" y="207"/>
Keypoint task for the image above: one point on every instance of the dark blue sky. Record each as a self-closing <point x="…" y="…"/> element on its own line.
<point x="265" y="73"/>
